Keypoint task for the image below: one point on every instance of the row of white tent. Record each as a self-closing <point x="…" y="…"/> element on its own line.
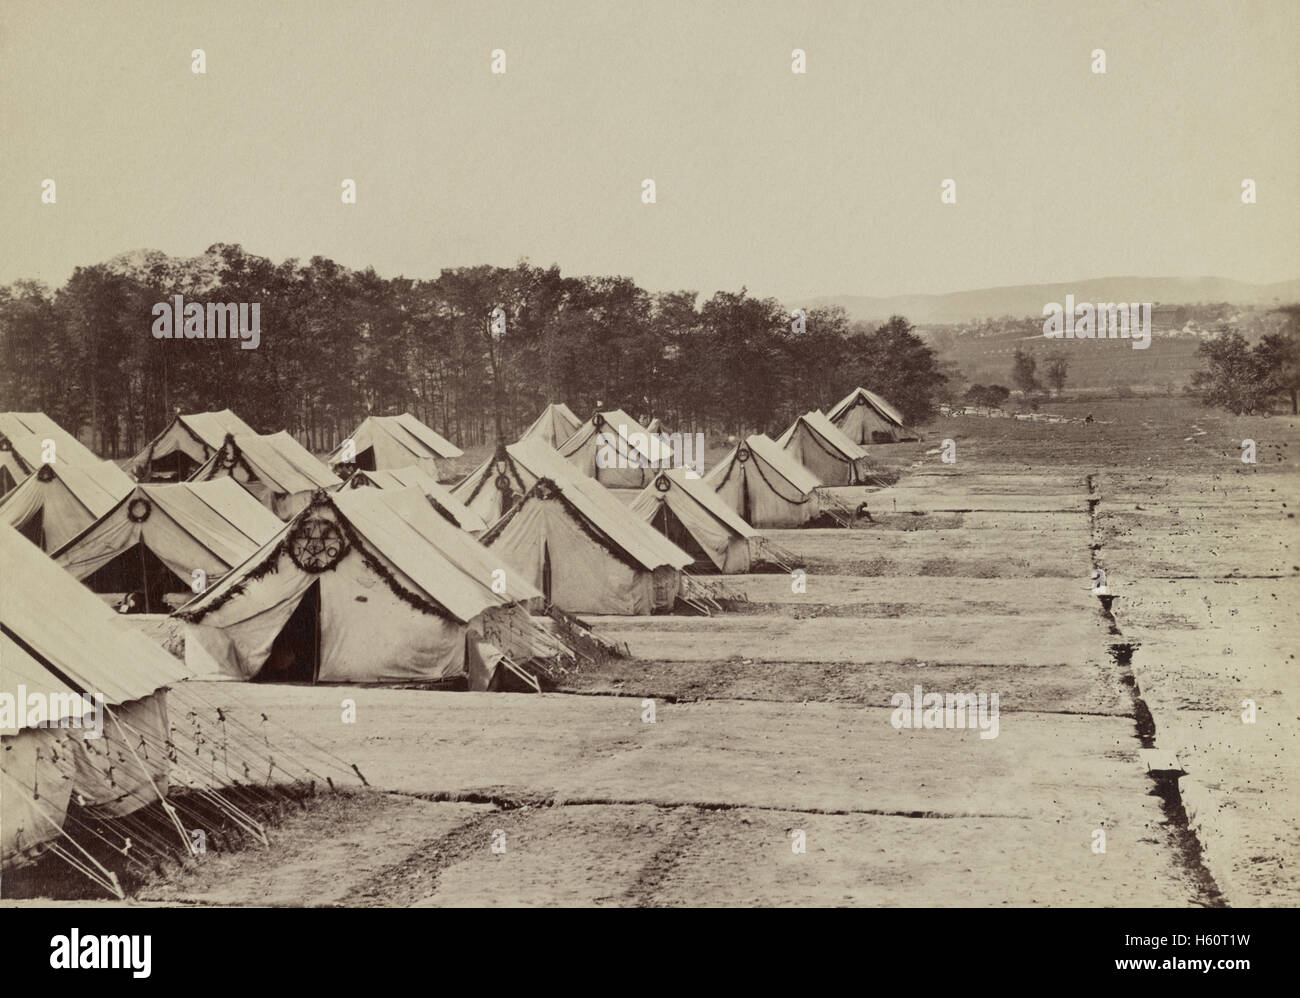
<point x="282" y="474"/>
<point x="766" y="483"/>
<point x="543" y="512"/>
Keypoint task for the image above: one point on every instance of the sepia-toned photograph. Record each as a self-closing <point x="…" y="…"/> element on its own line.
<point x="671" y="454"/>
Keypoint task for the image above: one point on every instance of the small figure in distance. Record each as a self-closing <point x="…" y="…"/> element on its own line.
<point x="862" y="513"/>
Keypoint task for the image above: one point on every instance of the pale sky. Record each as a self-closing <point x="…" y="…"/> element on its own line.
<point x="816" y="184"/>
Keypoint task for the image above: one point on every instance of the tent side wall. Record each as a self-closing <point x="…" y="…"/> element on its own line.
<point x="584" y="577"/>
<point x="176" y="448"/>
<point x="366" y="632"/>
<point x="863" y="425"/>
<point x="813" y="454"/>
<point x="770" y="507"/>
<point x="385" y="454"/>
<point x="679" y="516"/>
<point x="110" y="543"/>
<point x="106" y="786"/>
<point x="110" y="776"/>
<point x="746" y="491"/>
<point x="285" y="505"/>
<point x="377" y="637"/>
<point x="738" y="557"/>
<point x="36" y="785"/>
<point x="591" y="449"/>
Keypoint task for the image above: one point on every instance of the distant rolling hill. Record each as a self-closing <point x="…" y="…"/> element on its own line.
<point x="1094" y="364"/>
<point x="1029" y="299"/>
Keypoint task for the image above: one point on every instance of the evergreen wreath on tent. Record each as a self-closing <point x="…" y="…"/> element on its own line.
<point x="500" y="457"/>
<point x="346" y="536"/>
<point x="229" y="456"/>
<point x="316" y="543"/>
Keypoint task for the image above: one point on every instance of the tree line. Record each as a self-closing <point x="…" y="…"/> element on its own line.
<point x="472" y="352"/>
<point x="1249" y="380"/>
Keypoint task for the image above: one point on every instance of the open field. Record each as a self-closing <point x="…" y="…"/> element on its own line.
<point x="774" y="717"/>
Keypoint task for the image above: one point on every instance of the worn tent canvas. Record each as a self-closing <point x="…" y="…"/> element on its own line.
<point x="866" y="418"/>
<point x="59" y="501"/>
<point x="491" y="489"/>
<point x="690" y="513"/>
<point x="24" y="447"/>
<point x="365" y="585"/>
<point x="616" y="450"/>
<point x="764" y="485"/>
<point x="554" y="426"/>
<point x="59" y="640"/>
<point x="381" y="443"/>
<point x="816" y="443"/>
<point x="279" y="472"/>
<point x="157" y="537"/>
<point x="581" y="546"/>
<point x="186" y="442"/>
<point x="439" y="495"/>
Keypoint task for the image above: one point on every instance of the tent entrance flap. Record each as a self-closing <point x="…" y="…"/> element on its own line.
<point x="295" y="653"/>
<point x="673" y="528"/>
<point x="546" y="574"/>
<point x="174" y="467"/>
<point x="34" y="529"/>
<point x="138" y="570"/>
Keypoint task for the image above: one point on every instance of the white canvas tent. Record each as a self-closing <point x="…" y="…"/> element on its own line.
<point x="155" y="538"/>
<point x="816" y="443"/>
<point x="279" y="472"/>
<point x="554" y="426"/>
<point x="60" y="642"/>
<point x="381" y="443"/>
<point x="866" y="418"/>
<point x="500" y="481"/>
<point x="59" y="501"/>
<point x="763" y="484"/>
<point x="365" y="585"/>
<point x="689" y="513"/>
<point x="439" y="495"/>
<point x="616" y="450"/>
<point x="23" y="437"/>
<point x="186" y="442"/>
<point x="580" y="546"/>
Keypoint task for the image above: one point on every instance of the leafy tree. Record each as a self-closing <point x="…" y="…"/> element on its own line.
<point x="1024" y="371"/>
<point x="895" y="362"/>
<point x="338" y="344"/>
<point x="1058" y="369"/>
<point x="987" y="395"/>
<point x="1278" y="354"/>
<point x="1236" y="379"/>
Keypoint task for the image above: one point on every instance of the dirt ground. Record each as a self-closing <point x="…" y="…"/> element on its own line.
<point x="772" y="720"/>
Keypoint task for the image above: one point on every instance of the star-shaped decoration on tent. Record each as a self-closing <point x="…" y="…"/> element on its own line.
<point x="317" y="544"/>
